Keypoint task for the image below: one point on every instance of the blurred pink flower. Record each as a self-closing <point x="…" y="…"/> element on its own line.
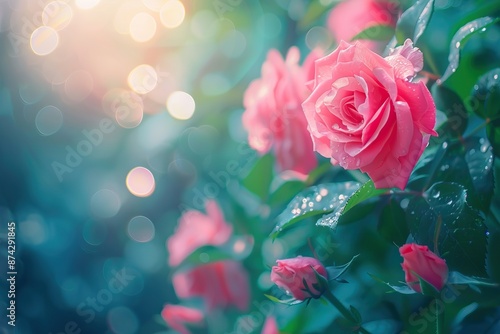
<point x="270" y="326"/>
<point x="220" y="284"/>
<point x="176" y="316"/>
<point x="419" y="260"/>
<point x="197" y="229"/>
<point x="365" y="113"/>
<point x="290" y="274"/>
<point x="350" y="17"/>
<point x="273" y="115"/>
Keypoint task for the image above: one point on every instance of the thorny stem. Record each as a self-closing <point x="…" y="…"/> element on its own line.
<point x="343" y="310"/>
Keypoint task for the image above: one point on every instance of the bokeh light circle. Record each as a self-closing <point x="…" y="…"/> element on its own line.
<point x="141" y="229"/>
<point x="48" y="120"/>
<point x="122" y="320"/>
<point x="44" y="40"/>
<point x="142" y="79"/>
<point x="172" y="14"/>
<point x="57" y="15"/>
<point x="94" y="233"/>
<point x="154" y="5"/>
<point x="125" y="106"/>
<point x="86" y="4"/>
<point x="181" y="105"/>
<point x="319" y="37"/>
<point x="105" y="203"/>
<point x="140" y="182"/>
<point x="142" y="27"/>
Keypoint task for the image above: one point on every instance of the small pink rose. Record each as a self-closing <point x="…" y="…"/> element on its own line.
<point x="273" y="115"/>
<point x="197" y="229"/>
<point x="290" y="274"/>
<point x="219" y="284"/>
<point x="419" y="260"/>
<point x="350" y="17"/>
<point x="177" y="316"/>
<point x="364" y="113"/>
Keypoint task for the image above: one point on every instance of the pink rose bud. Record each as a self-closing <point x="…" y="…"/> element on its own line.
<point x="364" y="113"/>
<point x="350" y="17"/>
<point x="297" y="277"/>
<point x="270" y="326"/>
<point x="419" y="260"/>
<point x="177" y="316"/>
<point x="407" y="59"/>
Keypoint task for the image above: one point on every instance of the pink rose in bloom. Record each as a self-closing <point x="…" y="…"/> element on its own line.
<point x="197" y="229"/>
<point x="289" y="275"/>
<point x="220" y="284"/>
<point x="177" y="316"/>
<point x="350" y="17"/>
<point x="270" y="326"/>
<point x="364" y="112"/>
<point x="419" y="260"/>
<point x="273" y="115"/>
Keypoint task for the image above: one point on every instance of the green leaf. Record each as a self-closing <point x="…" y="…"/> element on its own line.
<point x="461" y="238"/>
<point x="315" y="200"/>
<point x="479" y="158"/>
<point x="414" y="20"/>
<point x="454" y="277"/>
<point x="204" y="255"/>
<point x="383" y="326"/>
<point x="376" y="33"/>
<point x="392" y="223"/>
<point x="259" y="178"/>
<point x="493" y="133"/>
<point x="482" y="320"/>
<point x="315" y="10"/>
<point x="460" y="38"/>
<point x="291" y="301"/>
<point x="355" y="313"/>
<point x="365" y="192"/>
<point x="403" y="289"/>
<point x="486" y="95"/>
<point x="334" y="272"/>
<point x="493" y="260"/>
<point x="285" y="192"/>
<point x="210" y="253"/>
<point x="427" y="288"/>
<point x="468" y="162"/>
<point x="451" y="104"/>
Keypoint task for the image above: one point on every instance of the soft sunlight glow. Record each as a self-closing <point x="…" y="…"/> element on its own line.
<point x="181" y="105"/>
<point x="86" y="4"/>
<point x="78" y="85"/>
<point x="44" y="40"/>
<point x="154" y="5"/>
<point x="172" y="14"/>
<point x="143" y="79"/>
<point x="142" y="27"/>
<point x="140" y="182"/>
<point x="57" y="15"/>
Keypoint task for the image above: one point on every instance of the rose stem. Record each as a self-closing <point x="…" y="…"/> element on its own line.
<point x="343" y="310"/>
